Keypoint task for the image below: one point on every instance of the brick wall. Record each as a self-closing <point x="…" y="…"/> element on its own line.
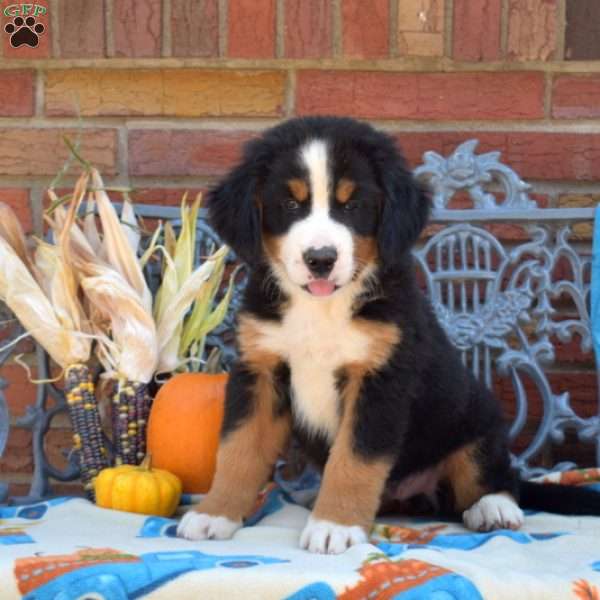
<point x="167" y="91"/>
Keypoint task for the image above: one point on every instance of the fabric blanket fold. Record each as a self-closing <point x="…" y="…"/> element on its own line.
<point x="68" y="548"/>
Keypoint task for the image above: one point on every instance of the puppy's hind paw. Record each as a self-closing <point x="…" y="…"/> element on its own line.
<point x="200" y="526"/>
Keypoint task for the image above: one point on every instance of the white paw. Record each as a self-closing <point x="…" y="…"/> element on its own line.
<point x="326" y="537"/>
<point x="200" y="526"/>
<point x="493" y="511"/>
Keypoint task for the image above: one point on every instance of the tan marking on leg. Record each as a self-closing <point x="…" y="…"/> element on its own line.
<point x="344" y="190"/>
<point x="248" y="453"/>
<point x="464" y="475"/>
<point x="299" y="189"/>
<point x="352" y="485"/>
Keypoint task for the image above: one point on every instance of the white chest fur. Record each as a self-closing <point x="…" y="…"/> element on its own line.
<point x="316" y="337"/>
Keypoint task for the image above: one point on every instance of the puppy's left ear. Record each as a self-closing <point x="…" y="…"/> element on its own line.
<point x="404" y="214"/>
<point x="235" y="213"/>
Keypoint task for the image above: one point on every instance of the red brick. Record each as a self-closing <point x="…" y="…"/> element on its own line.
<point x="547" y="156"/>
<point x="165" y="196"/>
<point x="365" y="31"/>
<point x="16" y="93"/>
<point x="20" y="392"/>
<point x="570" y="353"/>
<point x="17" y="457"/>
<point x="58" y="442"/>
<point x="435" y="96"/>
<point x="28" y="151"/>
<point x="420" y="27"/>
<point x="251" y="29"/>
<point x="477" y="30"/>
<point x="136" y="27"/>
<point x="183" y="153"/>
<point x="43" y="48"/>
<point x="82" y="29"/>
<point x="532" y="29"/>
<point x="18" y="200"/>
<point x="165" y="92"/>
<point x="576" y="97"/>
<point x="582" y="388"/>
<point x="195" y="27"/>
<point x="308" y="28"/>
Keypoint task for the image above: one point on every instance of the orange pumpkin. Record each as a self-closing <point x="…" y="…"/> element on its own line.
<point x="184" y="428"/>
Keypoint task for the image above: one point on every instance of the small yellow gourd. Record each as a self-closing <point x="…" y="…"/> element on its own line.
<point x="138" y="489"/>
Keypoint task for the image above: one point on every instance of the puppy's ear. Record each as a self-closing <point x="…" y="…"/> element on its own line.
<point x="235" y="214"/>
<point x="405" y="209"/>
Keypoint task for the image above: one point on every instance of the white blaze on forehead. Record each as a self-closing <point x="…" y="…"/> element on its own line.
<point x="314" y="157"/>
<point x="317" y="229"/>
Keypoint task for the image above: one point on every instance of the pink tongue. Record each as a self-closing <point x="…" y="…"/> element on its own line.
<point x="321" y="287"/>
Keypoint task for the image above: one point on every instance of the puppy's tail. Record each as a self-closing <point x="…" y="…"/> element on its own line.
<point x="559" y="499"/>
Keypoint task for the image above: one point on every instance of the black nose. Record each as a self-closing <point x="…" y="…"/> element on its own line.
<point x="321" y="261"/>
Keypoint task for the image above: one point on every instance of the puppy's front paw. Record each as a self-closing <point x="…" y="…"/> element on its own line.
<point x="326" y="537"/>
<point x="493" y="511"/>
<point x="200" y="526"/>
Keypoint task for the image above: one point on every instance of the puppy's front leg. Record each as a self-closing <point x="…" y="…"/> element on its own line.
<point x="351" y="488"/>
<point x="254" y="433"/>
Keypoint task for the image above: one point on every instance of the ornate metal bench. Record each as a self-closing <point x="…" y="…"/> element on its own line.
<point x="502" y="305"/>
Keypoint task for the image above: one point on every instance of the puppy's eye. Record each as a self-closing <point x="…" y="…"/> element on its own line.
<point x="292" y="204"/>
<point x="350" y="205"/>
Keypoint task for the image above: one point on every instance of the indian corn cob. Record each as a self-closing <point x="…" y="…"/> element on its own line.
<point x="85" y="420"/>
<point x="130" y="410"/>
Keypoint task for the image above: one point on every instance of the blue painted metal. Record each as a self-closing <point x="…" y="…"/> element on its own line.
<point x="498" y="304"/>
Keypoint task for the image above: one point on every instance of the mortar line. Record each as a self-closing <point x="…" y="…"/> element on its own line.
<point x="36" y="206"/>
<point x="55" y="27"/>
<point x="400" y="65"/>
<point x="561" y="29"/>
<point x="280" y="29"/>
<point x="40" y="82"/>
<point x="548" y="79"/>
<point x="448" y="28"/>
<point x="337" y="35"/>
<point x="393" y="28"/>
<point x="166" y="45"/>
<point x="504" y="29"/>
<point x="109" y="33"/>
<point x="122" y="156"/>
<point x="290" y="94"/>
<point x="223" y="19"/>
<point x="201" y="123"/>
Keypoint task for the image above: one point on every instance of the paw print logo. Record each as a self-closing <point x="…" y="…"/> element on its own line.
<point x="24" y="32"/>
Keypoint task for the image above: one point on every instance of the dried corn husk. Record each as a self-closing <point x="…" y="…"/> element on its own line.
<point x="182" y="290"/>
<point x="170" y="326"/>
<point x="117" y="246"/>
<point x="10" y="230"/>
<point x="50" y="311"/>
<point x="26" y="299"/>
<point x="120" y="309"/>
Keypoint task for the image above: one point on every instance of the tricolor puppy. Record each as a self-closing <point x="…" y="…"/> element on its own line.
<point x="338" y="344"/>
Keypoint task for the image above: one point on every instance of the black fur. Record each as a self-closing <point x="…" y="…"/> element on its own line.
<point x="423" y="404"/>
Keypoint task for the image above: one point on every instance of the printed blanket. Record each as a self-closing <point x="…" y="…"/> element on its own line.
<point x="67" y="549"/>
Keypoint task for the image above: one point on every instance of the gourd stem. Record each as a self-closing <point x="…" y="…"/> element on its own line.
<point x="147" y="462"/>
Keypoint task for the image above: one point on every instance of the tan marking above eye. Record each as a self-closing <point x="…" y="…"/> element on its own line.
<point x="299" y="189"/>
<point x="344" y="190"/>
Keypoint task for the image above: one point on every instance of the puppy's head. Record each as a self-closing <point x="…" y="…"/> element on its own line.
<point x="323" y="201"/>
